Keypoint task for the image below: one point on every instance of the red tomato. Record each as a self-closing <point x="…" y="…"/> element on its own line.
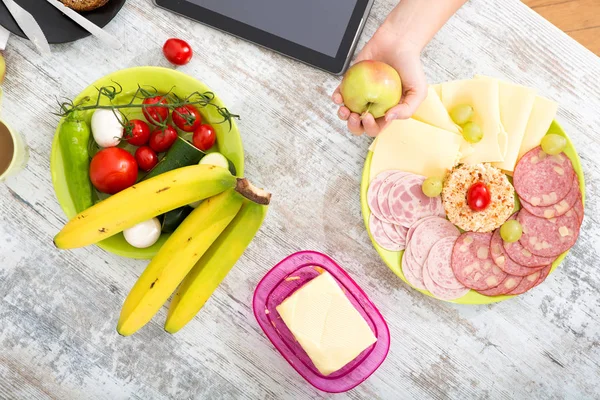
<point x="478" y="196"/>
<point x="204" y="137"/>
<point x="146" y="158"/>
<point x="187" y="118"/>
<point x="112" y="170"/>
<point x="155" y="115"/>
<point x="137" y="132"/>
<point x="178" y="51"/>
<point x="161" y="139"/>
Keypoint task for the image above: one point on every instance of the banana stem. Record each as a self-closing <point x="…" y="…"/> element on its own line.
<point x="252" y="193"/>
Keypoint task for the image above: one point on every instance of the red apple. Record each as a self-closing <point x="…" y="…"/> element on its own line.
<point x="371" y="86"/>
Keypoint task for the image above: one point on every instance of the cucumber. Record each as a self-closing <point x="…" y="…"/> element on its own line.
<point x="181" y="154"/>
<point x="174" y="218"/>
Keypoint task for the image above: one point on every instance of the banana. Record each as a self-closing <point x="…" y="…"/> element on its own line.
<point x="143" y="201"/>
<point x="176" y="258"/>
<point x="214" y="265"/>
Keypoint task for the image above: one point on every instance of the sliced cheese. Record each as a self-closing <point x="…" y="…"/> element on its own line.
<point x="325" y="323"/>
<point x="414" y="146"/>
<point x="433" y="112"/>
<point x="483" y="96"/>
<point x="516" y="104"/>
<point x="539" y="122"/>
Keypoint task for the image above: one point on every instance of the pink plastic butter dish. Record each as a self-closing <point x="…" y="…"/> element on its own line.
<point x="283" y="280"/>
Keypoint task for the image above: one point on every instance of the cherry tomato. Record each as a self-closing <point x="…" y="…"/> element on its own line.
<point x="187" y="118"/>
<point x="112" y="170"/>
<point x="478" y="196"/>
<point x="204" y="137"/>
<point x="146" y="158"/>
<point x="137" y="132"/>
<point x="178" y="51"/>
<point x="161" y="139"/>
<point x="155" y="115"/>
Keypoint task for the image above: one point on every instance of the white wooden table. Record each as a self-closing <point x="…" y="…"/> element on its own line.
<point x="59" y="310"/>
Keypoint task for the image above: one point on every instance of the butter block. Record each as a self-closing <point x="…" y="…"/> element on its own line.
<point x="326" y="324"/>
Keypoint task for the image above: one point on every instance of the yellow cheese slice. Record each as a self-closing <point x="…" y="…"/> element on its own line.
<point x="516" y="104"/>
<point x="483" y="96"/>
<point x="414" y="146"/>
<point x="539" y="122"/>
<point x="325" y="323"/>
<point x="433" y="112"/>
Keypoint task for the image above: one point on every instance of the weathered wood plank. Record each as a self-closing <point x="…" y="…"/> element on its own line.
<point x="59" y="309"/>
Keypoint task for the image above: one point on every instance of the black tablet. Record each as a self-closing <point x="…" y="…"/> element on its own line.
<point x="322" y="33"/>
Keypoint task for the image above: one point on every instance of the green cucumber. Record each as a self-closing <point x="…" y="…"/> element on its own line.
<point x="181" y="154"/>
<point x="174" y="218"/>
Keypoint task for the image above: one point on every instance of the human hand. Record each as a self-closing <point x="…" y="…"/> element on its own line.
<point x="389" y="47"/>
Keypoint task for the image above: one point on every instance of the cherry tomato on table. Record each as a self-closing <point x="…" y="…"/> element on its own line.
<point x="204" y="137"/>
<point x="155" y="115"/>
<point x="187" y="118"/>
<point x="146" y="158"/>
<point x="161" y="139"/>
<point x="112" y="170"/>
<point x="478" y="196"/>
<point x="137" y="132"/>
<point x="177" y="51"/>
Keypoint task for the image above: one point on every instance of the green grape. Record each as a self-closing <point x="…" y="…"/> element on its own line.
<point x="472" y="132"/>
<point x="432" y="187"/>
<point x="511" y="231"/>
<point x="553" y="144"/>
<point x="461" y="114"/>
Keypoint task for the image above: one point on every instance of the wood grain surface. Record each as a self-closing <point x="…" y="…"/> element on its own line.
<point x="59" y="309"/>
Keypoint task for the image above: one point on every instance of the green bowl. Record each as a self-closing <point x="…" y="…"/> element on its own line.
<point x="394" y="259"/>
<point x="229" y="141"/>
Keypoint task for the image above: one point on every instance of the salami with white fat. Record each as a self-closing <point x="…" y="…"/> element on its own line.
<point x="506" y="286"/>
<point x="379" y="235"/>
<point x="504" y="262"/>
<point x="384" y="192"/>
<point x="578" y="208"/>
<point x="441" y="292"/>
<point x="413" y="272"/>
<point x="439" y="264"/>
<point x="541" y="179"/>
<point x="407" y="203"/>
<point x="522" y="256"/>
<point x="373" y="191"/>
<point x="548" y="237"/>
<point x="472" y="262"/>
<point x="544" y="274"/>
<point x="559" y="208"/>
<point x="428" y="233"/>
<point x="526" y="283"/>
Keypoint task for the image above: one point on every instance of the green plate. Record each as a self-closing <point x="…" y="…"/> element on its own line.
<point x="394" y="259"/>
<point x="229" y="142"/>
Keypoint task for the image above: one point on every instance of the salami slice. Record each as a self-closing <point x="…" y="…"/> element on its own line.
<point x="541" y="179"/>
<point x="384" y="192"/>
<point x="391" y="233"/>
<point x="558" y="209"/>
<point x="504" y="262"/>
<point x="376" y="228"/>
<point x="441" y="292"/>
<point x="506" y="286"/>
<point x="428" y="233"/>
<point x="472" y="263"/>
<point x="374" y="189"/>
<point x="408" y="204"/>
<point x="522" y="256"/>
<point x="578" y="208"/>
<point x="526" y="283"/>
<point x="548" y="237"/>
<point x="439" y="264"/>
<point x="544" y="274"/>
<point x="413" y="272"/>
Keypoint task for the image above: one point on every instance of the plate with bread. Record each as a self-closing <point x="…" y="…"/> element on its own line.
<point x="57" y="27"/>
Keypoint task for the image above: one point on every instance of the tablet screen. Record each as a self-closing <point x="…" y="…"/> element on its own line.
<point x="316" y="24"/>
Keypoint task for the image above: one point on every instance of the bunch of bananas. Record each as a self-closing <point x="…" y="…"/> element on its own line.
<point x="196" y="257"/>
